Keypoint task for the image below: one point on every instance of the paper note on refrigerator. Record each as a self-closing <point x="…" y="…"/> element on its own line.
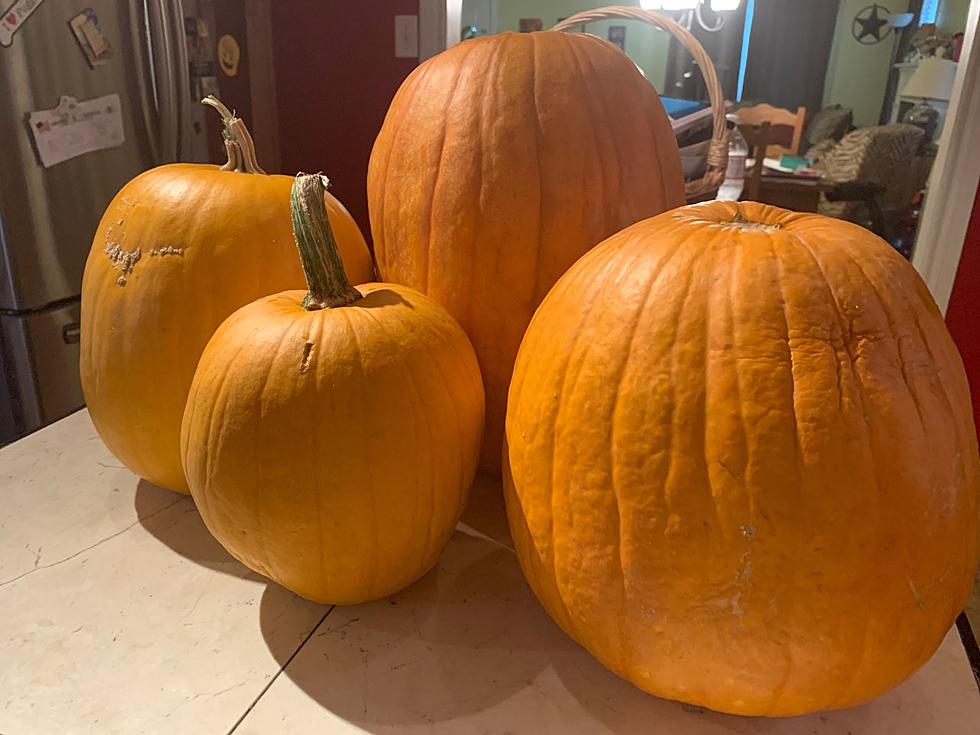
<point x="73" y="128"/>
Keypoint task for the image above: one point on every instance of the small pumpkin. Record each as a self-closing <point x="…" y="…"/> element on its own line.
<point x="330" y="437"/>
<point x="741" y="466"/>
<point x="180" y="248"/>
<point x="523" y="151"/>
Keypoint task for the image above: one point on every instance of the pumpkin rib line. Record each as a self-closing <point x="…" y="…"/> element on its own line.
<point x="631" y="343"/>
<point x="855" y="669"/>
<point x="220" y="404"/>
<point x="737" y="256"/>
<point x="370" y="578"/>
<point x="426" y="519"/>
<point x="314" y="440"/>
<point x="965" y="563"/>
<point x="899" y="351"/>
<point x="260" y="486"/>
<point x="466" y="320"/>
<point x="569" y="43"/>
<point x="789" y="614"/>
<point x="784" y="311"/>
<point x="672" y="358"/>
<point x="845" y="344"/>
<point x="459" y="427"/>
<point x="535" y="269"/>
<point x="450" y="100"/>
<point x="563" y="391"/>
<point x="396" y="104"/>
<point x="403" y="123"/>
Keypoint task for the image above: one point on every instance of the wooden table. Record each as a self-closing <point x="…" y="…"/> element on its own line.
<point x="799" y="193"/>
<point x="121" y="614"/>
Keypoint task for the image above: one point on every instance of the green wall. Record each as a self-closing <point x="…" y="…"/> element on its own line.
<point x="645" y="45"/>
<point x="858" y="74"/>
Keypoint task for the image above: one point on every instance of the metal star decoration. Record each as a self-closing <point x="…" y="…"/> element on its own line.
<point x="870" y="25"/>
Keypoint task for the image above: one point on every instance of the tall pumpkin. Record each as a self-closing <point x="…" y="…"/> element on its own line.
<point x="500" y="162"/>
<point x="180" y="248"/>
<point x="742" y="469"/>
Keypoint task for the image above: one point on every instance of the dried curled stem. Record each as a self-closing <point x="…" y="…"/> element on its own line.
<point x="238" y="141"/>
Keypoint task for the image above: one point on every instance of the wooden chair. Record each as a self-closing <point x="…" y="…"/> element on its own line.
<point x="775" y="116"/>
<point x="757" y="136"/>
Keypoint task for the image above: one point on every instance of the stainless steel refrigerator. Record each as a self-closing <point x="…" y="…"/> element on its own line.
<point x="48" y="214"/>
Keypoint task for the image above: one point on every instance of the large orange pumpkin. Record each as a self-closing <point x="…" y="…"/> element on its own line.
<point x="741" y="466"/>
<point x="501" y="161"/>
<point x="179" y="249"/>
<point x="330" y="438"/>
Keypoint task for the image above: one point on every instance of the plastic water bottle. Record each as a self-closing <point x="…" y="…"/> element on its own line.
<point x="731" y="188"/>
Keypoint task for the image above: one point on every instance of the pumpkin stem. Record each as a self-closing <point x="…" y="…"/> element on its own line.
<point x="238" y="141"/>
<point x="322" y="264"/>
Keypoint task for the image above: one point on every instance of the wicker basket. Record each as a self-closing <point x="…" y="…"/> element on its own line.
<point x="717" y="158"/>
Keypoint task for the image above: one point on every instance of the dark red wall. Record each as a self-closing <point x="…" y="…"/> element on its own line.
<point x="336" y="72"/>
<point x="963" y="314"/>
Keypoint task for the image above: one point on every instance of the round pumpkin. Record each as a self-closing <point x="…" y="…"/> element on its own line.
<point x="180" y="248"/>
<point x="330" y="441"/>
<point x="500" y="162"/>
<point x="741" y="467"/>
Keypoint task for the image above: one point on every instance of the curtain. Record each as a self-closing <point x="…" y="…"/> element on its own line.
<point x="789" y="49"/>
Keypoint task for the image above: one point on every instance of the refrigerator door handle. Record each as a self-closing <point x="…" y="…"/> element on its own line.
<point x="160" y="33"/>
<point x="140" y="39"/>
<point x="182" y="78"/>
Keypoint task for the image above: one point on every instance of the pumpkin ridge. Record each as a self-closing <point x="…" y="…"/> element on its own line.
<point x="790" y="614"/>
<point x="832" y="300"/>
<point x="427" y="514"/>
<point x="847" y="684"/>
<point x="450" y="99"/>
<point x="376" y="214"/>
<point x="568" y="388"/>
<point x="369" y="575"/>
<point x="553" y="437"/>
<point x="580" y="76"/>
<point x="536" y="127"/>
<point x="652" y="280"/>
<point x="909" y="385"/>
<point x="387" y="242"/>
<point x="893" y="337"/>
<point x="320" y="495"/>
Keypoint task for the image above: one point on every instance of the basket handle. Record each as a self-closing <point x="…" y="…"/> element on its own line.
<point x="718" y="148"/>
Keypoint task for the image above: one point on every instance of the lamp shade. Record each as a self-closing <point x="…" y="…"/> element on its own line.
<point x="932" y="80"/>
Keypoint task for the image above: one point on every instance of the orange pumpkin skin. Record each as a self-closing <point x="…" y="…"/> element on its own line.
<point x="741" y="467"/>
<point x="208" y="242"/>
<point x="333" y="450"/>
<point x="500" y="162"/>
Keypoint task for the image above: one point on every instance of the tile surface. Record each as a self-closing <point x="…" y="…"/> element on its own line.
<point x="120" y="614"/>
<point x="135" y="620"/>
<point x="469" y="650"/>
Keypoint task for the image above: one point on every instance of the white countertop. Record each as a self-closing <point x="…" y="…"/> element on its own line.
<point x="120" y="614"/>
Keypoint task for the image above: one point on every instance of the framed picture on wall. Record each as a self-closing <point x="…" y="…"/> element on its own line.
<point x="617" y="36"/>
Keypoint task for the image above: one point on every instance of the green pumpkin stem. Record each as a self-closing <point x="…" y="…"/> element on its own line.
<point x="322" y="264"/>
<point x="238" y="141"/>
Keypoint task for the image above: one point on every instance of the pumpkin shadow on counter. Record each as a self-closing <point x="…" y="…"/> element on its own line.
<point x="179" y="527"/>
<point x="461" y="640"/>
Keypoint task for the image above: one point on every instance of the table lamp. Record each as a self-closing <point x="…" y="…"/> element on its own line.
<point x="932" y="80"/>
